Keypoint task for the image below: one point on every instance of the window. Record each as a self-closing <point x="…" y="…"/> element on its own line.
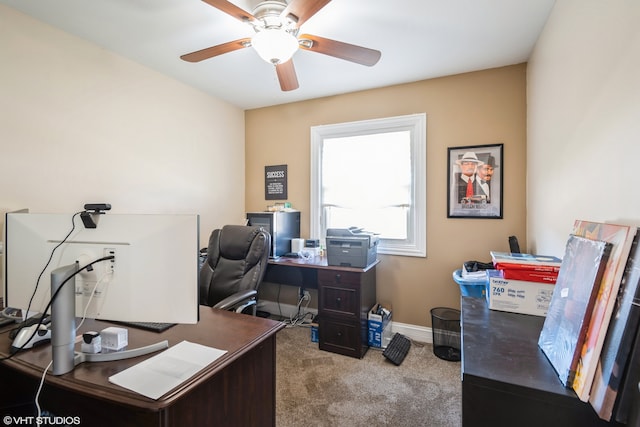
<point x="372" y="174"/>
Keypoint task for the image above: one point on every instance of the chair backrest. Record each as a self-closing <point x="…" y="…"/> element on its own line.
<point x="236" y="261"/>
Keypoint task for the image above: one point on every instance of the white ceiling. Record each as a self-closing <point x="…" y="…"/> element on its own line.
<point x="419" y="39"/>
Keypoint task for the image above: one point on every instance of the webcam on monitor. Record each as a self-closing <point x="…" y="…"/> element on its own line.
<point x="97" y="207"/>
<point x="89" y="218"/>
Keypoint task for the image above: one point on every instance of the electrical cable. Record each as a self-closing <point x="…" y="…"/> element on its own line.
<point x="35" y="290"/>
<point x="53" y="297"/>
<point x="278" y="299"/>
<point x="300" y="318"/>
<point x="37" y="398"/>
<point x="88" y="266"/>
<point x="14" y="312"/>
<point x="84" y="316"/>
<point x="93" y="293"/>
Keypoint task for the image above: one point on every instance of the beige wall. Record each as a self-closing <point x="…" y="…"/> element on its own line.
<point x="485" y="107"/>
<point x="584" y="131"/>
<point x="79" y="124"/>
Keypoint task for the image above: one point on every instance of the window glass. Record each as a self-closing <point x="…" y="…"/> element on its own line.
<point x="372" y="175"/>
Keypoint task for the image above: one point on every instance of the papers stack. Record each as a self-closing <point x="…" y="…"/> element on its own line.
<point x="527" y="267"/>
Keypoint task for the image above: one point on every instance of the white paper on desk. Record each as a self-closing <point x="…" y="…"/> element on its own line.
<point x="157" y="375"/>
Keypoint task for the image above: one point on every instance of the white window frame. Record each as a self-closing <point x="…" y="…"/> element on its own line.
<point x="416" y="124"/>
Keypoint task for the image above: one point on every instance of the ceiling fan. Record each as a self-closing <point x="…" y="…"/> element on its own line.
<point x="276" y="25"/>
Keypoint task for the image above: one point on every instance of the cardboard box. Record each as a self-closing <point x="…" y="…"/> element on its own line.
<point x="379" y="328"/>
<point x="518" y="296"/>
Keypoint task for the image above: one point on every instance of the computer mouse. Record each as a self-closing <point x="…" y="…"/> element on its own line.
<point x="30" y="336"/>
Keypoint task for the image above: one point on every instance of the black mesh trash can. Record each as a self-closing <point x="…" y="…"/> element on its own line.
<point x="445" y="325"/>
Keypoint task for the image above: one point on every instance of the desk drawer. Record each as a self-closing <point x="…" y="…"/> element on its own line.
<point x="339" y="300"/>
<point x="339" y="277"/>
<point x="340" y="337"/>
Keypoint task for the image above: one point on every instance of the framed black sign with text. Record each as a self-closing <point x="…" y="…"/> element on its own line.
<point x="275" y="182"/>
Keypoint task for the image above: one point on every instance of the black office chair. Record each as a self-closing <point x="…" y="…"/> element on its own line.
<point x="236" y="261"/>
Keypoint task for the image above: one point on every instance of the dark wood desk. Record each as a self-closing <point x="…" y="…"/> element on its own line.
<point x="507" y="380"/>
<point x="345" y="296"/>
<point x="237" y="389"/>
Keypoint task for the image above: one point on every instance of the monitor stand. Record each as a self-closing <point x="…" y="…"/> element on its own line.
<point x="63" y="327"/>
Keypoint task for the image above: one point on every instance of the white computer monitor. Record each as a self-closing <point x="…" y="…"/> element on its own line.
<point x="153" y="278"/>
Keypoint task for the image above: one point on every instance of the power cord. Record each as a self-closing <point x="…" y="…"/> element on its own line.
<point x="53" y="297"/>
<point x="35" y="290"/>
<point x="93" y="293"/>
<point x="300" y="318"/>
<point x="278" y="299"/>
<point x="20" y="315"/>
<point x="84" y="316"/>
<point x="37" y="398"/>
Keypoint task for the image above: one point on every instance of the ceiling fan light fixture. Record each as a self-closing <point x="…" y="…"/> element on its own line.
<point x="275" y="45"/>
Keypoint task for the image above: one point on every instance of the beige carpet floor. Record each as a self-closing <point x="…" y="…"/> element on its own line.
<point x="318" y="388"/>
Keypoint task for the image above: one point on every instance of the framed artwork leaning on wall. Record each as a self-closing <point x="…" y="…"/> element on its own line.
<point x="474" y="181"/>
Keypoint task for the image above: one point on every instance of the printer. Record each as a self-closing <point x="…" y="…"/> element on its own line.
<point x="351" y="247"/>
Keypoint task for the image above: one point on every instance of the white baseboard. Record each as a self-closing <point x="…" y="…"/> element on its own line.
<point x="415" y="332"/>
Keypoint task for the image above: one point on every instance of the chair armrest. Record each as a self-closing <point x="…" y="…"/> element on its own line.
<point x="232" y="300"/>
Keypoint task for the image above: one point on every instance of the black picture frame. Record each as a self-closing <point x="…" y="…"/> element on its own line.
<point x="275" y="182"/>
<point x="480" y="199"/>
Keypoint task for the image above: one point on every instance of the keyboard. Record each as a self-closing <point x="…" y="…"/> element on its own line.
<point x="149" y="326"/>
<point x="397" y="349"/>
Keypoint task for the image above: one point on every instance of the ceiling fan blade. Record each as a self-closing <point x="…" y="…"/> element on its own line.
<point x="212" y="51"/>
<point x="348" y="52"/>
<point x="287" y="76"/>
<point x="302" y="10"/>
<point x="231" y="9"/>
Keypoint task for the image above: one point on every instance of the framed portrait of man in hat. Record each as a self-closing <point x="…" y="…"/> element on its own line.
<point x="474" y="181"/>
